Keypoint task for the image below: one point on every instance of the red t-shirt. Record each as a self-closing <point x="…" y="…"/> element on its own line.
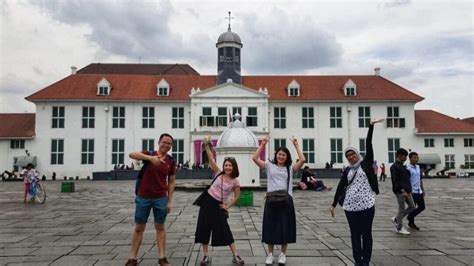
<point x="154" y="183"/>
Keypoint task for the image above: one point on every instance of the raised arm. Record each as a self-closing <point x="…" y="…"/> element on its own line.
<point x="256" y="155"/>
<point x="212" y="162"/>
<point x="137" y="155"/>
<point x="301" y="159"/>
<point x="369" y="150"/>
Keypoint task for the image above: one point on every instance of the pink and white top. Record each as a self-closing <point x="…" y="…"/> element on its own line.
<point x="227" y="188"/>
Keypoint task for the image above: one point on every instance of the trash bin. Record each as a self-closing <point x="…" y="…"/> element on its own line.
<point x="246" y="198"/>
<point x="67" y="187"/>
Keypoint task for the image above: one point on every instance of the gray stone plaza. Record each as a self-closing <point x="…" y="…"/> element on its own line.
<point x="93" y="226"/>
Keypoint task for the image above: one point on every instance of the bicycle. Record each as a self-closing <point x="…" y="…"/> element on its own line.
<point x="37" y="192"/>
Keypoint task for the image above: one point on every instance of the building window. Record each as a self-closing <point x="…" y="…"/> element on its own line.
<point x="393" y="117"/>
<point x="57" y="151"/>
<point x="362" y="147"/>
<point x="118" y="151"/>
<point x="449" y="142"/>
<point x="87" y="151"/>
<point x="350" y="91"/>
<point x="118" y="117"/>
<point x="251" y="117"/>
<point x="148" y="120"/>
<point x="278" y="143"/>
<point x="163" y="91"/>
<point x="103" y="90"/>
<point x="468" y="142"/>
<point x="222" y="116"/>
<point x="207" y="120"/>
<point x="17" y="144"/>
<point x="236" y="110"/>
<point x="294" y="92"/>
<point x="364" y="116"/>
<point x="336" y="150"/>
<point x="469" y="161"/>
<point x="308" y="117"/>
<point x="88" y="117"/>
<point x="335" y="117"/>
<point x="58" y="117"/>
<point x="393" y="146"/>
<point x="177" y="120"/>
<point x="308" y="150"/>
<point x="178" y="150"/>
<point x="148" y="144"/>
<point x="280" y="117"/>
<point x="449" y="161"/>
<point x="429" y="143"/>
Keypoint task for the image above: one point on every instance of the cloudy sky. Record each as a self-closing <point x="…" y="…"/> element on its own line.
<point x="424" y="46"/>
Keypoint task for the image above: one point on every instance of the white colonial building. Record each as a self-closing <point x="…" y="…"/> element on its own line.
<point x="91" y="120"/>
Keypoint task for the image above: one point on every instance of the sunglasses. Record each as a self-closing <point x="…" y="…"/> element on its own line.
<point x="229" y="158"/>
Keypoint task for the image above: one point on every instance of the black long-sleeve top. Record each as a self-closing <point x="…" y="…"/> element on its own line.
<point x="366" y="165"/>
<point x="400" y="178"/>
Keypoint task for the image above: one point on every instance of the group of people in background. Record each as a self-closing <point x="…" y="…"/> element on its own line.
<point x="355" y="192"/>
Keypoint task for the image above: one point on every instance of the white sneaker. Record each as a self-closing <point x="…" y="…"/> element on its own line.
<point x="403" y="231"/>
<point x="282" y="258"/>
<point x="269" y="259"/>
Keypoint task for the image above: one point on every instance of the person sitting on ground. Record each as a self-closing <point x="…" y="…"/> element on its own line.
<point x="311" y="183"/>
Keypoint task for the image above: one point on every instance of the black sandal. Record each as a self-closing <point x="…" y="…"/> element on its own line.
<point x="163" y="261"/>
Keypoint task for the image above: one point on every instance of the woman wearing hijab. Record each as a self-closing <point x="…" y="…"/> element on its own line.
<point x="360" y="184"/>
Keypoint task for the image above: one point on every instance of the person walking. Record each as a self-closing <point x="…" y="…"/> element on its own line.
<point x="360" y="185"/>
<point x="418" y="192"/>
<point x="155" y="191"/>
<point x="279" y="223"/>
<point x="401" y="187"/>
<point x="28" y="173"/>
<point x="213" y="211"/>
<point x="383" y="176"/>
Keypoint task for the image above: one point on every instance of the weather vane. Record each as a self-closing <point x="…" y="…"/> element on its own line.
<point x="229" y="18"/>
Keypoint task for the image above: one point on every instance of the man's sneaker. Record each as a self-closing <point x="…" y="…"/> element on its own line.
<point x="282" y="259"/>
<point x="163" y="261"/>
<point x="413" y="225"/>
<point x="238" y="260"/>
<point x="204" y="261"/>
<point x="131" y="262"/>
<point x="403" y="231"/>
<point x="394" y="222"/>
<point x="269" y="259"/>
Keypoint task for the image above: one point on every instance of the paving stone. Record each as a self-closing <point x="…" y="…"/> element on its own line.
<point x="94" y="226"/>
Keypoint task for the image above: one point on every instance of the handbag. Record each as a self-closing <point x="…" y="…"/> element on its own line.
<point x="344" y="189"/>
<point x="200" y="198"/>
<point x="279" y="198"/>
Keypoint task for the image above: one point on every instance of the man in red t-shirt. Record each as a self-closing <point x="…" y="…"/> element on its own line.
<point x="154" y="192"/>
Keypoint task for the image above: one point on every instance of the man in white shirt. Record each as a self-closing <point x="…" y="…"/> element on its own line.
<point x="418" y="191"/>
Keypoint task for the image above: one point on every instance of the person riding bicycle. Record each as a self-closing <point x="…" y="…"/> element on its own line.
<point x="30" y="180"/>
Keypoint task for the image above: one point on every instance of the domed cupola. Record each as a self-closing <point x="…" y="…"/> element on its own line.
<point x="237" y="135"/>
<point x="228" y="56"/>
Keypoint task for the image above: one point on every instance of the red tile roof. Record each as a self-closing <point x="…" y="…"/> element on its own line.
<point x="139" y="69"/>
<point x="143" y="87"/>
<point x="469" y="120"/>
<point x="429" y="121"/>
<point x="17" y="125"/>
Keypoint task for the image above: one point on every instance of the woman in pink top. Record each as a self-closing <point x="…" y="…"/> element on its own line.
<point x="212" y="213"/>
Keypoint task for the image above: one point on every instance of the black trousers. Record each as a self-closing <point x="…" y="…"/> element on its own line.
<point x="360" y="223"/>
<point x="419" y="200"/>
<point x="212" y="220"/>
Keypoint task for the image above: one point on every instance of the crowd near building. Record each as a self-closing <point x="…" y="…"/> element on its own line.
<point x="90" y="120"/>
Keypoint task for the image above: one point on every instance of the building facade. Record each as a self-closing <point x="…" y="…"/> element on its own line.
<point x="91" y="120"/>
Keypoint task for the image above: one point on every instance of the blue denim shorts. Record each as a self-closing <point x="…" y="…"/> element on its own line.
<point x="143" y="207"/>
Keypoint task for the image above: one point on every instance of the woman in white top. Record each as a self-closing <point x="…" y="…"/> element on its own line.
<point x="279" y="223"/>
<point x="212" y="213"/>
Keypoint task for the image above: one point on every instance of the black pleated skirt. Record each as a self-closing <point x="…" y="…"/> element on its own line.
<point x="279" y="225"/>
